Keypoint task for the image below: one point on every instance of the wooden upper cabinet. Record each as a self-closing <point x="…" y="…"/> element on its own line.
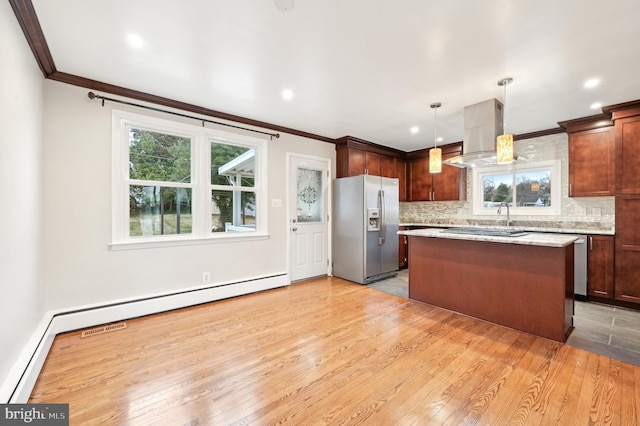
<point x="448" y="185"/>
<point x="420" y="180"/>
<point x="400" y="172"/>
<point x="592" y="162"/>
<point x="357" y="157"/>
<point x="628" y="155"/>
<point x="386" y="166"/>
<point x="451" y="183"/>
<point x="357" y="163"/>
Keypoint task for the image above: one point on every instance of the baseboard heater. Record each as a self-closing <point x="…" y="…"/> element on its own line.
<point x="22" y="378"/>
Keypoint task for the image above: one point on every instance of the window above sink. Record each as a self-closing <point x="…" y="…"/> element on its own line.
<point x="529" y="188"/>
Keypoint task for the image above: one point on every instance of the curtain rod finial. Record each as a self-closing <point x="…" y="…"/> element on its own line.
<point x="91" y="95"/>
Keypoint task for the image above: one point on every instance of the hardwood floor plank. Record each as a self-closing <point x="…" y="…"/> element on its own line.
<point x="327" y="351"/>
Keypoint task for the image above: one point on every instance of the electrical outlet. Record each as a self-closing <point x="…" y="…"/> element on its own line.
<point x="206" y="277"/>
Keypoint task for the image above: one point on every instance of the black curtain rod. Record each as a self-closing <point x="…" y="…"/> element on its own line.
<point x="203" y="120"/>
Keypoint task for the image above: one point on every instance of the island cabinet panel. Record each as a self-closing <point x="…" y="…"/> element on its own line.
<point x="627" y="253"/>
<point x="600" y="266"/>
<point x="525" y="287"/>
<point x="592" y="163"/>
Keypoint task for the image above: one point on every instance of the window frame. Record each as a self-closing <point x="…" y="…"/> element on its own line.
<point x="553" y="166"/>
<point x="200" y="184"/>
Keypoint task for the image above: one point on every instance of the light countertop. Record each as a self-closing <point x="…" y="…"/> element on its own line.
<point x="532" y="238"/>
<point x="582" y="231"/>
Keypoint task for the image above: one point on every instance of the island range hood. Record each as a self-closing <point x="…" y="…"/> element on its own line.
<point x="482" y="125"/>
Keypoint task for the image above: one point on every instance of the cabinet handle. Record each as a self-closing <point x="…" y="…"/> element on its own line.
<point x="591" y="243"/>
<point x="570" y="190"/>
<point x="434" y="195"/>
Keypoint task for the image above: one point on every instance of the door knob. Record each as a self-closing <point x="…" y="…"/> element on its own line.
<point x="294" y="229"/>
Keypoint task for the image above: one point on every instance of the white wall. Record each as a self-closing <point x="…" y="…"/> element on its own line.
<point x="80" y="268"/>
<point x="20" y="191"/>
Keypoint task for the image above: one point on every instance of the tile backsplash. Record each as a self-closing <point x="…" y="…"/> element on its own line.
<point x="578" y="212"/>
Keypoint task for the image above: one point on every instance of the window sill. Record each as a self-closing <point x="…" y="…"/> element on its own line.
<point x="147" y="244"/>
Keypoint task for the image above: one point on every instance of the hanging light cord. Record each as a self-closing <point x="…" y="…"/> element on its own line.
<point x="504" y="82"/>
<point x="435" y="107"/>
<point x="504" y="112"/>
<point x="435" y="127"/>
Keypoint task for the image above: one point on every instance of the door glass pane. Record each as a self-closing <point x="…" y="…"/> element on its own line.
<point x="533" y="189"/>
<point x="497" y="189"/>
<point x="309" y="195"/>
<point x="158" y="210"/>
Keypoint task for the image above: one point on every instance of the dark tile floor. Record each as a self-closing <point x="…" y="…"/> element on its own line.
<point x="602" y="329"/>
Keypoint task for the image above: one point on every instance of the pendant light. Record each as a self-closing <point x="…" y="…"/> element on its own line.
<point x="435" y="153"/>
<point x="504" y="142"/>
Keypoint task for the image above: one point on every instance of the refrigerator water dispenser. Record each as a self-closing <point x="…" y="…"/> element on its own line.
<point x="373" y="215"/>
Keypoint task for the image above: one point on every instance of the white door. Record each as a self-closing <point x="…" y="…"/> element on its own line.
<point x="308" y="217"/>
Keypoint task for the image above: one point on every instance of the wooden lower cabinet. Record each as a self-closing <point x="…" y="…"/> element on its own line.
<point x="627" y="252"/>
<point x="600" y="266"/>
<point x="402" y="249"/>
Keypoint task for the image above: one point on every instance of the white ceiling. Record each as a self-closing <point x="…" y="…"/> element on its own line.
<point x="365" y="68"/>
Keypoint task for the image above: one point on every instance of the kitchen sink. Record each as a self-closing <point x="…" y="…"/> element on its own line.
<point x="494" y="232"/>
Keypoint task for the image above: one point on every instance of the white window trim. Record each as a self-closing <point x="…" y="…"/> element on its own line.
<point x="200" y="183"/>
<point x="556" y="195"/>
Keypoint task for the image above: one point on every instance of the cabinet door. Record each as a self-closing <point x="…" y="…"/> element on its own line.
<point x="592" y="163"/>
<point x="400" y="172"/>
<point x="627" y="253"/>
<point x="372" y="163"/>
<point x="356" y="162"/>
<point x="387" y="166"/>
<point x="600" y="265"/>
<point x="420" y="182"/>
<point x="446" y="185"/>
<point x="628" y="155"/>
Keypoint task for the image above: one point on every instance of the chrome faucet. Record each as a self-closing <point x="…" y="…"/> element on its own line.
<point x="507" y="222"/>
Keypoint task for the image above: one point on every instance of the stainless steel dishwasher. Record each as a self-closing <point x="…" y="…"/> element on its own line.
<point x="580" y="250"/>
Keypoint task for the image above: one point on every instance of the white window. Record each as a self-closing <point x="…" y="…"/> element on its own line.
<point x="175" y="183"/>
<point x="528" y="189"/>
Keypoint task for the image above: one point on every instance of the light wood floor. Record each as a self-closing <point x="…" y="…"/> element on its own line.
<point x="327" y="351"/>
<point x="604" y="329"/>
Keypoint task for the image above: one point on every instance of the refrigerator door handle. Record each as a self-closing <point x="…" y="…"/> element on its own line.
<point x="383" y="218"/>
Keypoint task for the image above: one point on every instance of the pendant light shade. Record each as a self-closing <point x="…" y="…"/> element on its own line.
<point x="435" y="160"/>
<point x="504" y="142"/>
<point x="435" y="153"/>
<point x="504" y="149"/>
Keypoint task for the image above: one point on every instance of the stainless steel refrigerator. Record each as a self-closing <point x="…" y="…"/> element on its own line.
<point x="365" y="228"/>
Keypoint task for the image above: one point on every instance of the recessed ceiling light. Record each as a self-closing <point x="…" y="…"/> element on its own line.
<point x="414" y="130"/>
<point x="596" y="105"/>
<point x="135" y="41"/>
<point x="439" y="139"/>
<point x="287" y="94"/>
<point x="591" y="83"/>
<point x="284" y="5"/>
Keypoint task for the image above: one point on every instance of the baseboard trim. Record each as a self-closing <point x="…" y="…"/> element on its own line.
<point x="20" y="382"/>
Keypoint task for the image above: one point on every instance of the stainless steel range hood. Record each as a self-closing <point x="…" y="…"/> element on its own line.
<point x="482" y="125"/>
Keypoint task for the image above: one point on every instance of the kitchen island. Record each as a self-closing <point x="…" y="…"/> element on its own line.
<point x="524" y="282"/>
